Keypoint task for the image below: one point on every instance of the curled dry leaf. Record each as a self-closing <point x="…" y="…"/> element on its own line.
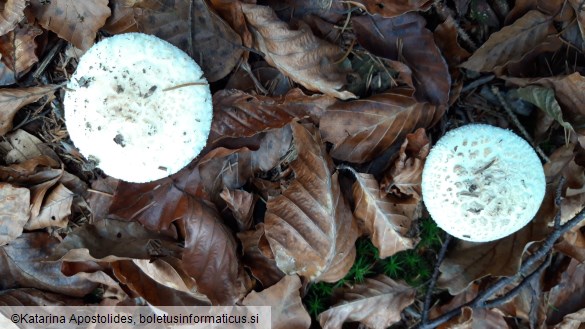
<point x="12" y="12"/>
<point x="376" y="303"/>
<point x="239" y="114"/>
<point x="14" y="211"/>
<point x="21" y="265"/>
<point x="18" y="48"/>
<point x="386" y="222"/>
<point x="393" y="8"/>
<point x="210" y="254"/>
<point x="405" y="38"/>
<point x="258" y="257"/>
<point x="196" y="29"/>
<point x="54" y="211"/>
<point x="241" y="204"/>
<point x="109" y="240"/>
<point x="72" y="20"/>
<point x="310" y="227"/>
<point x="12" y="100"/>
<point x="572" y="321"/>
<point x="363" y="129"/>
<point x="512" y="43"/>
<point x="20" y="146"/>
<point x="300" y="55"/>
<point x="287" y="310"/>
<point x="569" y="295"/>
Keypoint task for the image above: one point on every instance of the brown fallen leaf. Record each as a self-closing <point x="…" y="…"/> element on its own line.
<point x="241" y="204"/>
<point x="18" y="48"/>
<point x="287" y="310"/>
<point x="36" y="297"/>
<point x="394" y="8"/>
<point x="376" y="303"/>
<point x="22" y="265"/>
<point x="55" y="210"/>
<point x="12" y="13"/>
<point x="12" y="100"/>
<point x="210" y="254"/>
<point x="122" y="18"/>
<point x="572" y="321"/>
<point x="386" y="222"/>
<point x="512" y="43"/>
<point x="310" y="227"/>
<point x="196" y="29"/>
<point x="14" y="211"/>
<point x="231" y="12"/>
<point x="569" y="295"/>
<point x="363" y="129"/>
<point x="72" y="20"/>
<point x="405" y="38"/>
<point x="239" y="114"/>
<point x="255" y="248"/>
<point x="298" y="54"/>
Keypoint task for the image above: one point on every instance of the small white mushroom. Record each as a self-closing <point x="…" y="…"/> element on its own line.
<point x="139" y="107"/>
<point x="482" y="183"/>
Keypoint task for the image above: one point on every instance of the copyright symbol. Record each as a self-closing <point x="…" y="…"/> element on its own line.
<point x="14" y="318"/>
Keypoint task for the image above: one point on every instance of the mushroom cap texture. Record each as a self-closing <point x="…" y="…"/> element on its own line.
<point x="132" y="106"/>
<point x="481" y="183"/>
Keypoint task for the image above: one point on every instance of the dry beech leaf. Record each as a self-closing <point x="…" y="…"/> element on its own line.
<point x="572" y="321"/>
<point x="287" y="310"/>
<point x="376" y="303"/>
<point x="263" y="267"/>
<point x="363" y="129"/>
<point x="18" y="48"/>
<point x="20" y="146"/>
<point x="406" y="38"/>
<point x="478" y="318"/>
<point x="241" y="204"/>
<point x="210" y="254"/>
<point x="14" y="211"/>
<point x="153" y="292"/>
<point x="239" y="114"/>
<point x="12" y="100"/>
<point x="22" y="265"/>
<point x="403" y="180"/>
<point x="35" y="297"/>
<point x="12" y="12"/>
<point x="310" y="227"/>
<point x="122" y="18"/>
<point x="511" y="43"/>
<point x="231" y="11"/>
<point x="386" y="222"/>
<point x="55" y="210"/>
<point x="169" y="272"/>
<point x="109" y="240"/>
<point x="72" y="20"/>
<point x="301" y="56"/>
<point x="387" y="8"/>
<point x="201" y="33"/>
<point x="569" y="295"/>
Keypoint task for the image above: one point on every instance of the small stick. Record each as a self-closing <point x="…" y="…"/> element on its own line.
<point x="188" y="84"/>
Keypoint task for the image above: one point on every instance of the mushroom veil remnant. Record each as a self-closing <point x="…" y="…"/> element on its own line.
<point x="482" y="183"/>
<point x="138" y="106"/>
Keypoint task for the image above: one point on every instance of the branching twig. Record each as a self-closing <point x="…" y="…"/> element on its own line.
<point x="481" y="300"/>
<point x="434" y="278"/>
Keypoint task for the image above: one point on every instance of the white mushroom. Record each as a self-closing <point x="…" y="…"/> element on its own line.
<point x="481" y="183"/>
<point x="138" y="106"/>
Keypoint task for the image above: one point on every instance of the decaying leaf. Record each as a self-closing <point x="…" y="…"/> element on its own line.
<point x="362" y="129"/>
<point x="572" y="321"/>
<point x="12" y="100"/>
<point x="255" y="248"/>
<point x="55" y="210"/>
<point x="196" y="29"/>
<point x="239" y="114"/>
<point x="310" y="227"/>
<point x="169" y="272"/>
<point x="386" y="222"/>
<point x="210" y="254"/>
<point x="393" y="8"/>
<point x="569" y="295"/>
<point x="241" y="204"/>
<point x="14" y="211"/>
<point x="512" y="43"/>
<point x="287" y="311"/>
<point x="377" y="303"/>
<point x="12" y="12"/>
<point x="18" y="48"/>
<point x="73" y="20"/>
<point x="35" y="297"/>
<point x="301" y="56"/>
<point x="406" y="39"/>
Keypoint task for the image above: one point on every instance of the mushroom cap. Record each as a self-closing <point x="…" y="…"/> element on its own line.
<point x="138" y="106"/>
<point x="482" y="183"/>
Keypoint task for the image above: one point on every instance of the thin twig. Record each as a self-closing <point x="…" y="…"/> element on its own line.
<point x="434" y="278"/>
<point x="558" y="200"/>
<point x="520" y="127"/>
<point x="188" y="84"/>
